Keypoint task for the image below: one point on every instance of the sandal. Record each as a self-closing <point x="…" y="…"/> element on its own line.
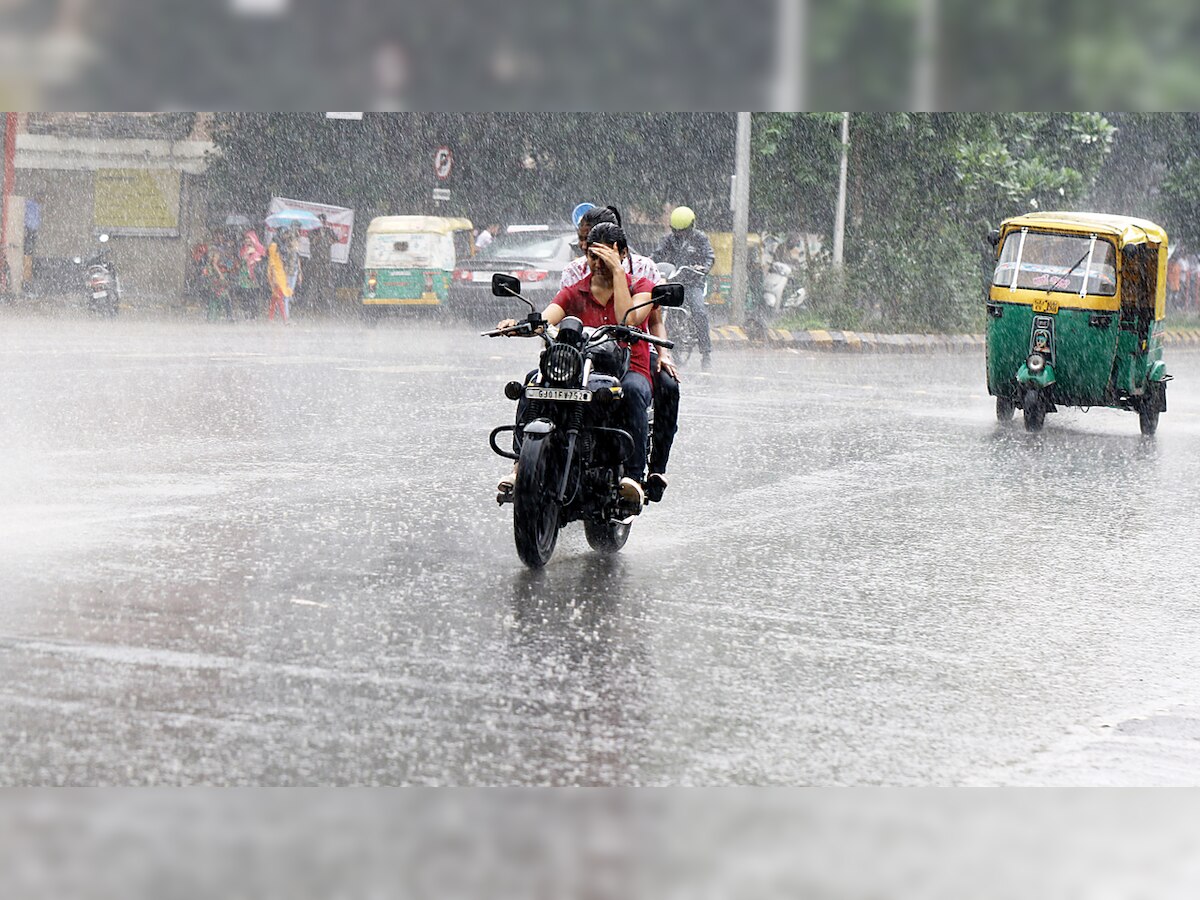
<point x="508" y="483"/>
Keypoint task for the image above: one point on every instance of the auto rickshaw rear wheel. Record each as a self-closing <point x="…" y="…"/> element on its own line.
<point x="1149" y="408"/>
<point x="1004" y="409"/>
<point x="1035" y="410"/>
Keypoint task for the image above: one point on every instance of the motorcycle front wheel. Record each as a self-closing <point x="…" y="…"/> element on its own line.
<point x="682" y="330"/>
<point x="535" y="509"/>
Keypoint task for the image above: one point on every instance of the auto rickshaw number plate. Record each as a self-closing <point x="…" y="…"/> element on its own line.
<point x="1045" y="305"/>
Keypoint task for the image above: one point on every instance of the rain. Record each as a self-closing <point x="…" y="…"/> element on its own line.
<point x="249" y="510"/>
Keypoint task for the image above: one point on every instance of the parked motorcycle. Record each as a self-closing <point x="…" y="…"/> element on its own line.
<point x="780" y="292"/>
<point x="571" y="458"/>
<point x="102" y="286"/>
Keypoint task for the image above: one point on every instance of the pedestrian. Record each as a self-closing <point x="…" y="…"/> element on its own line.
<point x="319" y="277"/>
<point x="216" y="272"/>
<point x="486" y="236"/>
<point x="33" y="221"/>
<point x="283" y="272"/>
<point x="1174" y="273"/>
<point x="250" y="254"/>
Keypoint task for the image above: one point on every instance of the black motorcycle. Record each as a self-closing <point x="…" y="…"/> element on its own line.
<point x="572" y="457"/>
<point x="102" y="287"/>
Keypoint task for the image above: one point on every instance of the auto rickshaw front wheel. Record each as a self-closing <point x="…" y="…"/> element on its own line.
<point x="1035" y="410"/>
<point x="1149" y="408"/>
<point x="1004" y="409"/>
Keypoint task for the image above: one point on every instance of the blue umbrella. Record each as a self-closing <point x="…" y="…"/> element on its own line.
<point x="294" y="218"/>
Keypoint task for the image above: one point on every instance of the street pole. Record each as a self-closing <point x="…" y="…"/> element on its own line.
<point x="839" y="226"/>
<point x="925" y="64"/>
<point x="790" y="56"/>
<point x="10" y="153"/>
<point x="741" y="218"/>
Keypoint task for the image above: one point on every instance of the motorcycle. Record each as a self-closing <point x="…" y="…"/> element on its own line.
<point x="571" y="458"/>
<point x="681" y="324"/>
<point x="102" y="286"/>
<point x="779" y="294"/>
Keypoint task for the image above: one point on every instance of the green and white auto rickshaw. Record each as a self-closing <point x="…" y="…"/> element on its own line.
<point x="1075" y="316"/>
<point x="410" y="260"/>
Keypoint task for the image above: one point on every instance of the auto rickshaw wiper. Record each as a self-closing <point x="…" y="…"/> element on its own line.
<point x="1067" y="274"/>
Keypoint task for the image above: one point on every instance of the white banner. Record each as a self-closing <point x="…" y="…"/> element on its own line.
<point x="338" y="218"/>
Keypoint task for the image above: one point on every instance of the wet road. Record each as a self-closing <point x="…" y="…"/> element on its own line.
<point x="272" y="556"/>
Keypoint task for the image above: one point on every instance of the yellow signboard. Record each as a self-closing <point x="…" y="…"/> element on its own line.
<point x="137" y="201"/>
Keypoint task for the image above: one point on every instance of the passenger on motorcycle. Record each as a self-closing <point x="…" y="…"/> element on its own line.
<point x="666" y="378"/>
<point x="605" y="296"/>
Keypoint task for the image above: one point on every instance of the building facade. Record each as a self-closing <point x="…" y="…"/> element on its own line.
<point x="135" y="176"/>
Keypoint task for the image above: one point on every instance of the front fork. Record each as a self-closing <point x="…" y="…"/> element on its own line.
<point x="574" y="424"/>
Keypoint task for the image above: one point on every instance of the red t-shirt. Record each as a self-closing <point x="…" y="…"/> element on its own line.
<point x="576" y="300"/>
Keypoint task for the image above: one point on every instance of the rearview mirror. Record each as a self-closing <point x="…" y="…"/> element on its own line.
<point x="506" y="285"/>
<point x="669" y="295"/>
<point x="993" y="237"/>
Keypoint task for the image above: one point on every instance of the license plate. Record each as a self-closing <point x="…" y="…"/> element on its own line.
<point x="99" y="295"/>
<point x="1045" y="305"/>
<point x="481" y="277"/>
<point x="576" y="396"/>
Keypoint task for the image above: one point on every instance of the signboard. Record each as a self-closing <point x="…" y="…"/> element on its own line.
<point x="338" y="218"/>
<point x="443" y="163"/>
<point x="137" y="202"/>
<point x="441" y="194"/>
<point x="353" y="116"/>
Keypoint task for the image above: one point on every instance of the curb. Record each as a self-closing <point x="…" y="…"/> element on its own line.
<point x="851" y="341"/>
<point x="868" y="342"/>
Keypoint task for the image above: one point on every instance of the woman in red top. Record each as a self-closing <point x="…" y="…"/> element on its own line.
<point x="606" y="297"/>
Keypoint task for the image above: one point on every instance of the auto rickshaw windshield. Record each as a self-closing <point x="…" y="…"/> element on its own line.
<point x="1057" y="262"/>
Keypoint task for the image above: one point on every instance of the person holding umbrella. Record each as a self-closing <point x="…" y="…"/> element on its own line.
<point x="283" y="271"/>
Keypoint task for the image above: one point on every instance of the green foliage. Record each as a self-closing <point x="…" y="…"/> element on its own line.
<point x="923" y="189"/>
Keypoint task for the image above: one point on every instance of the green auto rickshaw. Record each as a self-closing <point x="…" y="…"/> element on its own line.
<point x="410" y="260"/>
<point x="1075" y="316"/>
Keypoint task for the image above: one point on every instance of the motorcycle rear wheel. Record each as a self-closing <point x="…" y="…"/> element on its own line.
<point x="604" y="537"/>
<point x="535" y="509"/>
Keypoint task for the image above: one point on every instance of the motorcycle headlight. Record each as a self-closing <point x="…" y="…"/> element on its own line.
<point x="561" y="364"/>
<point x="1035" y="363"/>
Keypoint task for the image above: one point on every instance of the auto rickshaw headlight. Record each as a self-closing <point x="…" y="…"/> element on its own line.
<point x="1035" y="363"/>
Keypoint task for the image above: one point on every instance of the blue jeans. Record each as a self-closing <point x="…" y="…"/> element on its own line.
<point x="635" y="419"/>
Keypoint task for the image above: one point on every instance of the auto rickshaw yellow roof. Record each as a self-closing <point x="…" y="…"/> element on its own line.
<point x="1126" y="228"/>
<point x="418" y="225"/>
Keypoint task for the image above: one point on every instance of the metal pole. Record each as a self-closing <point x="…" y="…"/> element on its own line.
<point x="741" y="218"/>
<point x="790" y="52"/>
<point x="10" y="151"/>
<point x="925" y="65"/>
<point x="839" y="227"/>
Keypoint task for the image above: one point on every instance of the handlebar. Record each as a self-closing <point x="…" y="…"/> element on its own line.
<point x="630" y="333"/>
<point x="521" y="329"/>
<point x="614" y="332"/>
